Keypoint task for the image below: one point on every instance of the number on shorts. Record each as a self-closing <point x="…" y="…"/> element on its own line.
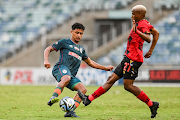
<point x="127" y="65"/>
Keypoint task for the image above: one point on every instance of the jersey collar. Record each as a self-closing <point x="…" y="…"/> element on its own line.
<point x="73" y="42"/>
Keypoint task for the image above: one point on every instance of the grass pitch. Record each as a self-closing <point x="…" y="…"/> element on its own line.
<point x="30" y="103"/>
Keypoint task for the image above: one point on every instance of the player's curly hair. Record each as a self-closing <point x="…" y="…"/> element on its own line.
<point x="78" y="26"/>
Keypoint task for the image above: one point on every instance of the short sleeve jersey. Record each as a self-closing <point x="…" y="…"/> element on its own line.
<point x="134" y="49"/>
<point x="71" y="54"/>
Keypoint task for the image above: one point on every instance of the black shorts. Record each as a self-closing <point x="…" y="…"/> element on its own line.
<point x="127" y="69"/>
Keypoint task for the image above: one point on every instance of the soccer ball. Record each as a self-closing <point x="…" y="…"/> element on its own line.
<point x="67" y="104"/>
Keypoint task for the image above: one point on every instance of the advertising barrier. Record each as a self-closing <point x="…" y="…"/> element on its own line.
<point x="88" y="76"/>
<point x="26" y="76"/>
<point x="165" y="75"/>
<point x="143" y="75"/>
<point x="43" y="76"/>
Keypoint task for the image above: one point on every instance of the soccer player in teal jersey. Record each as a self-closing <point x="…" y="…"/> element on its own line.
<point x="71" y="54"/>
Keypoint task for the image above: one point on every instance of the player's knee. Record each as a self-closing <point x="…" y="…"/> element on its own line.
<point x="127" y="87"/>
<point x="66" y="79"/>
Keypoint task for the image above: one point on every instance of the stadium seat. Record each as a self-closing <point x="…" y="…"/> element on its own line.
<point x="22" y="20"/>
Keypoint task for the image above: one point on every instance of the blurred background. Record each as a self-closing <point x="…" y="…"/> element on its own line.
<point x="27" y="27"/>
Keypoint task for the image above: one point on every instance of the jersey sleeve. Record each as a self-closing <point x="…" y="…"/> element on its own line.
<point x="84" y="56"/>
<point x="150" y="27"/>
<point x="58" y="45"/>
<point x="144" y="27"/>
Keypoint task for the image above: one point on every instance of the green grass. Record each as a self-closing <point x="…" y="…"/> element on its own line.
<point x="30" y="103"/>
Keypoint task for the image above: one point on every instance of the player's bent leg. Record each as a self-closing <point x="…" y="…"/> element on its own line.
<point x="54" y="98"/>
<point x="81" y="87"/>
<point x="128" y="85"/>
<point x="81" y="90"/>
<point x="64" y="82"/>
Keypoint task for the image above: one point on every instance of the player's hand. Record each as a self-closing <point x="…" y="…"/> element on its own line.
<point x="134" y="26"/>
<point x="148" y="54"/>
<point x="47" y="64"/>
<point x="109" y="68"/>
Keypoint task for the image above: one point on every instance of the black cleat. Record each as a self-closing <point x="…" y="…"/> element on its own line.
<point x="70" y="114"/>
<point x="153" y="109"/>
<point x="53" y="100"/>
<point x="84" y="98"/>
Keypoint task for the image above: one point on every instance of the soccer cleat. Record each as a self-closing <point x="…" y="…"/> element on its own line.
<point x="70" y="114"/>
<point x="153" y="109"/>
<point x="53" y="100"/>
<point x="84" y="98"/>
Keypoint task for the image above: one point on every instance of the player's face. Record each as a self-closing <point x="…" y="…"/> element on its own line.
<point x="77" y="35"/>
<point x="136" y="15"/>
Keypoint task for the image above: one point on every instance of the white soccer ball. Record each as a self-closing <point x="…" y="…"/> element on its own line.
<point x="67" y="104"/>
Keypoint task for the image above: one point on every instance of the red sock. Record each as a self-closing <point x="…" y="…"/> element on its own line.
<point x="97" y="93"/>
<point x="143" y="97"/>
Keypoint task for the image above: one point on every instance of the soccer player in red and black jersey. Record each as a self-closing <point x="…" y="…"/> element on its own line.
<point x="133" y="59"/>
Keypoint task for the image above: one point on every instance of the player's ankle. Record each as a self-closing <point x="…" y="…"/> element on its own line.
<point x="150" y="103"/>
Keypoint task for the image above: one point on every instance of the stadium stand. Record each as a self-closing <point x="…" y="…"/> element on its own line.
<point x="27" y="21"/>
<point x="22" y="21"/>
<point x="166" y="4"/>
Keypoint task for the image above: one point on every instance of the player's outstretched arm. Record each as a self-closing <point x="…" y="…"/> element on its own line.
<point x="155" y="34"/>
<point x="46" y="56"/>
<point x="98" y="66"/>
<point x="145" y="37"/>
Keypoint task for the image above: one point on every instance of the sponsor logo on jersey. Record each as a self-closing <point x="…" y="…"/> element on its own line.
<point x="71" y="46"/>
<point x="81" y="50"/>
<point x="64" y="71"/>
<point x="75" y="55"/>
<point x="76" y="48"/>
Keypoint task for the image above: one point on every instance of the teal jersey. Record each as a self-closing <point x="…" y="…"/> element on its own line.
<point x="71" y="55"/>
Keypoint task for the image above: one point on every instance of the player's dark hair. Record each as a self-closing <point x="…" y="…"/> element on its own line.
<point x="78" y="26"/>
